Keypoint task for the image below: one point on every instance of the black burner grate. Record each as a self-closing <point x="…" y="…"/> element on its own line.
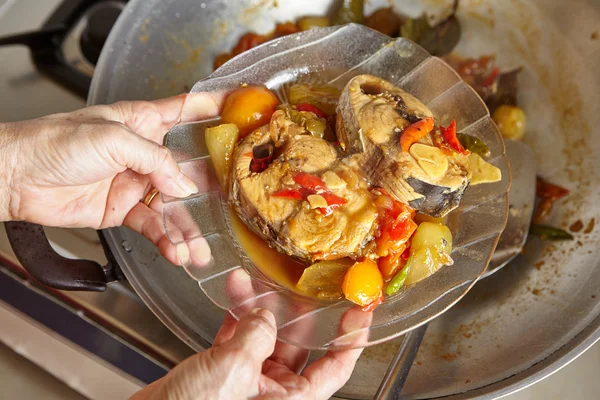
<point x="47" y="44"/>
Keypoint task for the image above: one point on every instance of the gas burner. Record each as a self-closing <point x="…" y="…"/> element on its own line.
<point x="83" y="44"/>
<point x="69" y="43"/>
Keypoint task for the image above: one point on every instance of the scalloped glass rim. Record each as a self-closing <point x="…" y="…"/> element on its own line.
<point x="335" y="55"/>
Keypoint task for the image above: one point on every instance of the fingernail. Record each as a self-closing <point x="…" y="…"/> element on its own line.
<point x="187" y="186"/>
<point x="202" y="255"/>
<point x="241" y="276"/>
<point x="183" y="254"/>
<point x="350" y="324"/>
<point x="266" y="314"/>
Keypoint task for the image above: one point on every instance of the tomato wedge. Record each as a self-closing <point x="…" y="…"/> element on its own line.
<point x="396" y="227"/>
<point x="414" y="132"/>
<point x="309" y="181"/>
<point x="403" y="228"/>
<point x="390" y="265"/>
<point x="310" y="108"/>
<point x="449" y="135"/>
<point x="547" y="190"/>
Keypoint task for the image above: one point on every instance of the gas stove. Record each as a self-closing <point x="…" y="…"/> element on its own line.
<point x="48" y="51"/>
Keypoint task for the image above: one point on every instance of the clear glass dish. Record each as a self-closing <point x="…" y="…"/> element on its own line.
<point x="334" y="55"/>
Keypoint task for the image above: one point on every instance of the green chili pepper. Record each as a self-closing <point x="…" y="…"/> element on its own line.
<point x="549" y="233"/>
<point x="473" y="144"/>
<point x="350" y="11"/>
<point x="398" y="281"/>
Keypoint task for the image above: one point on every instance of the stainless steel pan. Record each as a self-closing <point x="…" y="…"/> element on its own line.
<point x="512" y="329"/>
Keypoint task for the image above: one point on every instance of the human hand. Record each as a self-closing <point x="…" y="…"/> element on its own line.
<point x="91" y="167"/>
<point x="246" y="361"/>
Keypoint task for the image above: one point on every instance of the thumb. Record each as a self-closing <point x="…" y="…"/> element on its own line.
<point x="255" y="335"/>
<point x="227" y="371"/>
<point x="240" y="359"/>
<point x="146" y="157"/>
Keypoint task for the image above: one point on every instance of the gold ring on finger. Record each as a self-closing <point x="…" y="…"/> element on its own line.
<point x="150" y="196"/>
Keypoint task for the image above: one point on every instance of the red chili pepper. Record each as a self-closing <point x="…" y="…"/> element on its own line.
<point x="310" y="108"/>
<point x="547" y="190"/>
<point x="449" y="135"/>
<point x="333" y="202"/>
<point x="414" y="132"/>
<point x="309" y="181"/>
<point x="291" y="194"/>
<point x="489" y="81"/>
<point x="373" y="305"/>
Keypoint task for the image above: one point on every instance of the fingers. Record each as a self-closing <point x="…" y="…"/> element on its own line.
<point x="153" y="119"/>
<point x="149" y="223"/>
<point x="226" y="331"/>
<point x="294" y="358"/>
<point x="239" y="290"/>
<point x="331" y="372"/>
<point x="146" y="157"/>
<point x="255" y="336"/>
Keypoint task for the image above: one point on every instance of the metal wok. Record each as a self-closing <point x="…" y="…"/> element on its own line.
<point x="512" y="329"/>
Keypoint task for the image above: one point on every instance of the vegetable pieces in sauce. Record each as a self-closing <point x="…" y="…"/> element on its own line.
<point x="547" y="193"/>
<point x="399" y="262"/>
<point x="356" y="236"/>
<point x="439" y="39"/>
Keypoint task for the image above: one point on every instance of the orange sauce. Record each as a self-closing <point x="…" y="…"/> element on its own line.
<point x="280" y="268"/>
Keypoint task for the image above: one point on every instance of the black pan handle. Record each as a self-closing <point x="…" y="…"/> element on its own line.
<point x="36" y="40"/>
<point x="31" y="246"/>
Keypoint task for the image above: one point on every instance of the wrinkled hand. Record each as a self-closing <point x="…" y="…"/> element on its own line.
<point x="91" y="167"/>
<point x="247" y="362"/>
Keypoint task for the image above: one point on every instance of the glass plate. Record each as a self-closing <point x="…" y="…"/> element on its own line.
<point x="232" y="282"/>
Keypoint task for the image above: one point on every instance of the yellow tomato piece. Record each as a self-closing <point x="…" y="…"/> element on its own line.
<point x="420" y="218"/>
<point x="363" y="283"/>
<point x="511" y="121"/>
<point x="249" y="108"/>
<point x="432" y="235"/>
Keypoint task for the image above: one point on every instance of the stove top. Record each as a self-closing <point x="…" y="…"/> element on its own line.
<point x="68" y="44"/>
